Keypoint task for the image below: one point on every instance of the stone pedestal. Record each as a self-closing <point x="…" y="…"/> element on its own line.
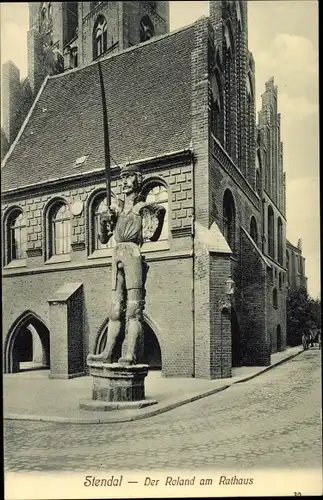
<point x="117" y="386"/>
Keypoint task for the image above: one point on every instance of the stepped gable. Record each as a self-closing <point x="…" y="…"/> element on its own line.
<point x="148" y="94"/>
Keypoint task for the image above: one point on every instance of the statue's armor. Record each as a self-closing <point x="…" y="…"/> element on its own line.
<point x="126" y="253"/>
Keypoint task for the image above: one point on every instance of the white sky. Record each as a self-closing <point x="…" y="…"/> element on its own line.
<point x="283" y="36"/>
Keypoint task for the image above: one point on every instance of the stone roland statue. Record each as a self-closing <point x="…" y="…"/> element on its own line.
<point x="131" y="223"/>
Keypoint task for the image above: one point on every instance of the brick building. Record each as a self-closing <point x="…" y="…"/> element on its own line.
<point x="182" y="105"/>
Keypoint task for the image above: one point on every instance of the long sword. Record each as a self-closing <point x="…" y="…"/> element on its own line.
<point x="107" y="162"/>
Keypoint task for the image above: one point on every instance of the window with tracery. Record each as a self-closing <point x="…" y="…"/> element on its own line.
<point x="73" y="58"/>
<point x="100" y="37"/>
<point x="147" y="29"/>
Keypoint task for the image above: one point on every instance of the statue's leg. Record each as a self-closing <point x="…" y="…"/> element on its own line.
<point x="134" y="328"/>
<point x="116" y="316"/>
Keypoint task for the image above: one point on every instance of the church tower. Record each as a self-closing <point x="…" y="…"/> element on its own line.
<point x="108" y="27"/>
<point x="67" y="35"/>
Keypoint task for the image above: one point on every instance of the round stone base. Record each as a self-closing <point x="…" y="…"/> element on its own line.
<point x="96" y="405"/>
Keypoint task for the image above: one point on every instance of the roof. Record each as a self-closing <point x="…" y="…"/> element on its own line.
<point x="148" y="95"/>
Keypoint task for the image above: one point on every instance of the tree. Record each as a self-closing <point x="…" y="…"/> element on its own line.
<point x="303" y="314"/>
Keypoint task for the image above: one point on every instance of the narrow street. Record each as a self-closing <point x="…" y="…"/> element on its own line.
<point x="273" y="420"/>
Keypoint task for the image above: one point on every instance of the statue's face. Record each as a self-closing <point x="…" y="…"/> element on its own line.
<point x="129" y="183"/>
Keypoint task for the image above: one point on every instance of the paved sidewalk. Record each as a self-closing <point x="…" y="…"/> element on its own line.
<point x="33" y="396"/>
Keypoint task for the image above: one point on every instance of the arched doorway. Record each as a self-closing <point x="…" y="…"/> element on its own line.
<point x="27" y="345"/>
<point x="152" y="352"/>
<point x="279" y="338"/>
<point x="235" y="336"/>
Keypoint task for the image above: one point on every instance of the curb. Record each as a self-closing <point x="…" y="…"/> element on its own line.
<point x="145" y="413"/>
<point x="291" y="356"/>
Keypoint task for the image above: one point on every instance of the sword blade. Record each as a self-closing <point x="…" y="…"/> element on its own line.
<point x="107" y="161"/>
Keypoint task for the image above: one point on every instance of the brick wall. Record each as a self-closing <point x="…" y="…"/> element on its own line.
<point x="220" y="332"/>
<point x="168" y="292"/>
<point x="255" y="346"/>
<point x="169" y="287"/>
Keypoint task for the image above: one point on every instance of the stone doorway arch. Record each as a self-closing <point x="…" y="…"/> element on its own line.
<point x="152" y="350"/>
<point x="27" y="342"/>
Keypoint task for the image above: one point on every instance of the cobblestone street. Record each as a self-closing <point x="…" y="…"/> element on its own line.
<point x="273" y="420"/>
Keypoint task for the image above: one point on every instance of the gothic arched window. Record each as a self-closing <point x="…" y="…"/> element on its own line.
<point x="60" y="229"/>
<point x="280" y="240"/>
<point x="73" y="58"/>
<point x="229" y="62"/>
<point x="216" y="104"/>
<point x="100" y="37"/>
<point x="17" y="235"/>
<point x="254" y="230"/>
<point x="147" y="30"/>
<point x="229" y="218"/>
<point x="158" y="193"/>
<point x="258" y="167"/>
<point x="275" y="298"/>
<point x="271" y="236"/>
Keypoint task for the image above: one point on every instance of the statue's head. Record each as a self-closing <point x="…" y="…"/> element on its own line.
<point x="131" y="177"/>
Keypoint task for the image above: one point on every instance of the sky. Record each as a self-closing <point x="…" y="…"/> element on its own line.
<point x="283" y="37"/>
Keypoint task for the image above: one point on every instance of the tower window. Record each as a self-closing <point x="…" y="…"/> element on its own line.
<point x="147" y="30"/>
<point x="73" y="58"/>
<point x="100" y="37"/>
